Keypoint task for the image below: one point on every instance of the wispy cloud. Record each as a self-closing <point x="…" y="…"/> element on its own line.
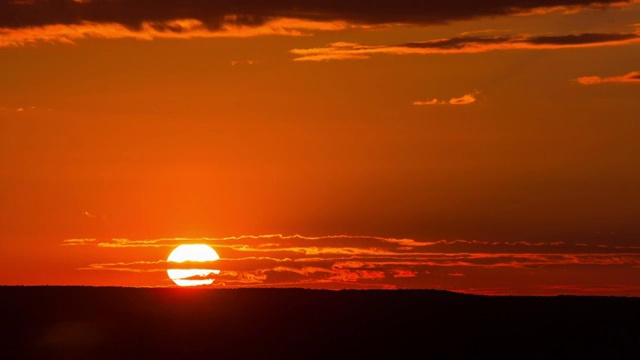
<point x="400" y="273"/>
<point x="363" y="261"/>
<point x="77" y="242"/>
<point x="171" y="29"/>
<point x="243" y="62"/>
<point x="456" y="274"/>
<point x="466" y="44"/>
<point x="632" y="77"/>
<point x="393" y="264"/>
<point x="22" y="109"/>
<point x="462" y="100"/>
<point x="306" y="246"/>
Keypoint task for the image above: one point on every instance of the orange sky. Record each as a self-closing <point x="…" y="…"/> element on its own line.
<point x="416" y="144"/>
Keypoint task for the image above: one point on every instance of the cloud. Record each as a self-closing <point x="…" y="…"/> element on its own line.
<point x="456" y="274"/>
<point x="393" y="265"/>
<point x="77" y="242"/>
<point x="399" y="273"/>
<point x="243" y="62"/>
<point x="133" y="13"/>
<point x="581" y="39"/>
<point x="463" y="100"/>
<point x="344" y="261"/>
<point x="24" y="22"/>
<point x="22" y="108"/>
<point x="430" y="102"/>
<point x="205" y="275"/>
<point x="171" y="29"/>
<point x="309" y="247"/>
<point x="632" y="77"/>
<point x="466" y="45"/>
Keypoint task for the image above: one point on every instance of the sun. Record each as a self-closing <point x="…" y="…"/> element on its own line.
<point x="199" y="275"/>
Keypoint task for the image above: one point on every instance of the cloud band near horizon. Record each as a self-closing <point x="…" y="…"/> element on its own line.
<point x="366" y="261"/>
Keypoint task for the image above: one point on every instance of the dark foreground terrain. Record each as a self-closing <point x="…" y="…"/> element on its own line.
<point x="129" y="323"/>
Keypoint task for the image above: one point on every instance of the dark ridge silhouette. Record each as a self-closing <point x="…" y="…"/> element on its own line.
<point x="174" y="323"/>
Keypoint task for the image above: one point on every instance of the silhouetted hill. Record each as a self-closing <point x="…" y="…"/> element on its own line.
<point x="139" y="323"/>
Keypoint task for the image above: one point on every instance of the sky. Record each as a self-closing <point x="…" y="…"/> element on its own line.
<point x="479" y="147"/>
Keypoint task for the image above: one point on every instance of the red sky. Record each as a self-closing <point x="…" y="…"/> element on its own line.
<point x="415" y="144"/>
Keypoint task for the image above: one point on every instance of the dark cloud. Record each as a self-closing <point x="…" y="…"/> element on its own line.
<point x="458" y="42"/>
<point x="588" y="38"/>
<point x="210" y="276"/>
<point x="135" y="13"/>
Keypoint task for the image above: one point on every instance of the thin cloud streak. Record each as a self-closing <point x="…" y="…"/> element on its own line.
<point x="466" y="45"/>
<point x="632" y="77"/>
<point x="462" y="100"/>
<point x="78" y="242"/>
<point x="299" y="245"/>
<point x="391" y="263"/>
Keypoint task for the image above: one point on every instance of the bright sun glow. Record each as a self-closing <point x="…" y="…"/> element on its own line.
<point x="196" y="253"/>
